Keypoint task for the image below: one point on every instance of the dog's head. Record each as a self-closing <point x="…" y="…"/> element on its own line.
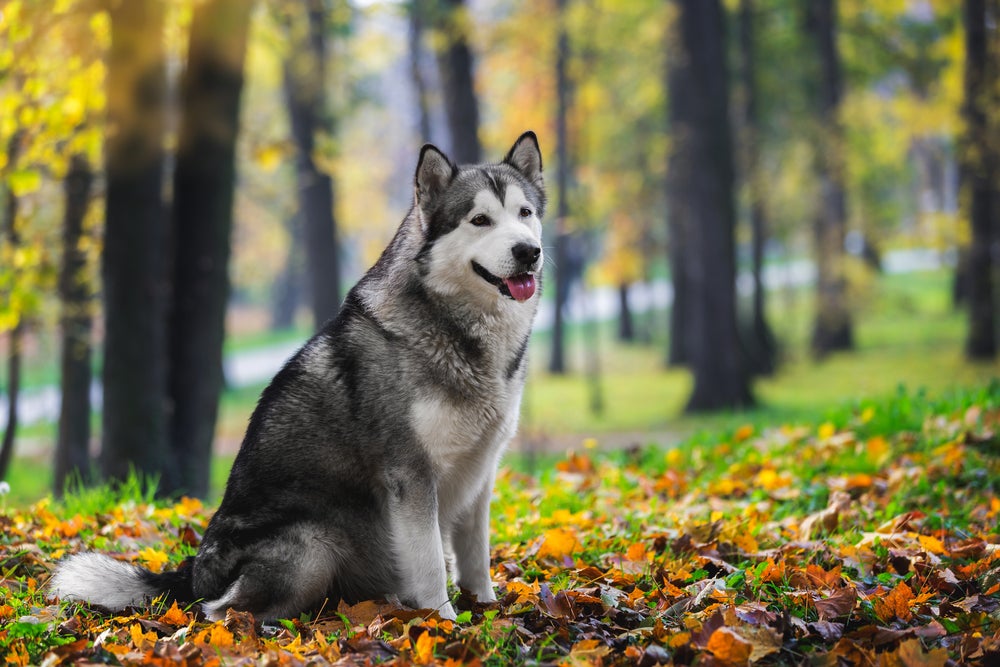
<point x="481" y="224"/>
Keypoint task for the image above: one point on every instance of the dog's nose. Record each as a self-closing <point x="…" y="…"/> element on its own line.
<point x="526" y="253"/>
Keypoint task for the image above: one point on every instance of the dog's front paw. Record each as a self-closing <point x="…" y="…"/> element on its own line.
<point x="447" y="612"/>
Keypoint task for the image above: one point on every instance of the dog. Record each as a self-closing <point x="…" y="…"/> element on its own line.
<point x="368" y="463"/>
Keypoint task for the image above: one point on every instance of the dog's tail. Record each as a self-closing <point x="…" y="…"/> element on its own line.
<point x="101" y="580"/>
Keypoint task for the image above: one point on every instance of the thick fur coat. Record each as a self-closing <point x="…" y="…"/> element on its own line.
<point x="368" y="464"/>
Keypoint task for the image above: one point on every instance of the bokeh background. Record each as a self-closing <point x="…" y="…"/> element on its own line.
<point x="758" y="208"/>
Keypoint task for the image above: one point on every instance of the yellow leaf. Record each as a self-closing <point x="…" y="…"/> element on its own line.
<point x="559" y="543"/>
<point x="174" y="616"/>
<point x="743" y="432"/>
<point x="220" y="637"/>
<point x="826" y="431"/>
<point x="153" y="559"/>
<point x="729" y="648"/>
<point x="423" y="650"/>
<point x="142" y="640"/>
<point x="636" y="552"/>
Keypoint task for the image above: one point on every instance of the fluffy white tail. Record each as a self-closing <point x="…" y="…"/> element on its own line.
<point x="101" y="580"/>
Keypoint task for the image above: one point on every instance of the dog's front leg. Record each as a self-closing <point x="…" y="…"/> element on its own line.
<point x="417" y="545"/>
<point x="471" y="544"/>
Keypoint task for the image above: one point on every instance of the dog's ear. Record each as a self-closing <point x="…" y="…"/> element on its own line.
<point x="434" y="172"/>
<point x="526" y="157"/>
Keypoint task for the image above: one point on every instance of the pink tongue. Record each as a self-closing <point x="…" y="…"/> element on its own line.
<point x="521" y="287"/>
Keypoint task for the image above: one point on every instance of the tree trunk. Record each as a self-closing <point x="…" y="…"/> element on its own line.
<point x="626" y="320"/>
<point x="833" y="328"/>
<point x="204" y="184"/>
<point x="9" y="229"/>
<point x="305" y="96"/>
<point x="761" y="343"/>
<point x="458" y="91"/>
<point x="557" y="360"/>
<point x="702" y="151"/>
<point x="291" y="283"/>
<point x="979" y="178"/>
<point x="135" y="285"/>
<point x="72" y="457"/>
<point x="415" y="38"/>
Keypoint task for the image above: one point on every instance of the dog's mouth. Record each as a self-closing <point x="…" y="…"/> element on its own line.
<point x="520" y="287"/>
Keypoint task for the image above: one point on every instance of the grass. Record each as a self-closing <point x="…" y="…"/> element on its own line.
<point x="907" y="335"/>
<point x="747" y="538"/>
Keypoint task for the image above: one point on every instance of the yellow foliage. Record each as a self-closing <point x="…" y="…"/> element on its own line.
<point x="559" y="543"/>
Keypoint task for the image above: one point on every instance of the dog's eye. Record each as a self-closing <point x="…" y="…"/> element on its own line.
<point x="525" y="212"/>
<point x="480" y="220"/>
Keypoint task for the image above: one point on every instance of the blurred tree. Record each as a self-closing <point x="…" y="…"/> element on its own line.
<point x="701" y="170"/>
<point x="312" y="123"/>
<point x="204" y="183"/>
<point x="291" y="282"/>
<point x="51" y="100"/>
<point x="452" y="26"/>
<point x="417" y="15"/>
<point x="15" y="340"/>
<point x="760" y="341"/>
<point x="832" y="329"/>
<point x="981" y="170"/>
<point x="563" y="275"/>
<point x="76" y="294"/>
<point x="134" y="261"/>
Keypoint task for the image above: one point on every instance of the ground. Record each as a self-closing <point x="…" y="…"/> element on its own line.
<point x="868" y="538"/>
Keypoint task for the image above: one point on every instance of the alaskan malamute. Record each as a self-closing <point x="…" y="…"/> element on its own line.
<point x="369" y="460"/>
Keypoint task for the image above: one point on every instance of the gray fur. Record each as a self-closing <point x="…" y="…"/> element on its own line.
<point x="369" y="461"/>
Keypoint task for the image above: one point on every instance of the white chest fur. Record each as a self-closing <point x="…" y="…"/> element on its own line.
<point x="463" y="442"/>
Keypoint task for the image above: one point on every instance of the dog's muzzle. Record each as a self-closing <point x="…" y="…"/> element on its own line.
<point x="520" y="286"/>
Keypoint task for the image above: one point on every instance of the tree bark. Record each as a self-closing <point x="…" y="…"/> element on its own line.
<point x="291" y="283"/>
<point x="72" y="457"/>
<point x="703" y="154"/>
<point x="415" y="38"/>
<point x="761" y="343"/>
<point x="557" y="360"/>
<point x="305" y="96"/>
<point x="204" y="185"/>
<point x="833" y="329"/>
<point x="135" y="284"/>
<point x="15" y="339"/>
<point x="626" y="320"/>
<point x="457" y="82"/>
<point x="979" y="179"/>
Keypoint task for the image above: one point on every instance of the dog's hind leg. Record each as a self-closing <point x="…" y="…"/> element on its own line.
<point x="280" y="577"/>
<point x="417" y="546"/>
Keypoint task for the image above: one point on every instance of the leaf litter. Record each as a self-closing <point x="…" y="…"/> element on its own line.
<point x="829" y="545"/>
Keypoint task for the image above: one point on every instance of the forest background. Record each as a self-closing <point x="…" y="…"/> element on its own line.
<point x="757" y="205"/>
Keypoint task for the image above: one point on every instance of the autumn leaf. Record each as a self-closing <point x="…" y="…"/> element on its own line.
<point x="174" y="616"/>
<point x="729" y="648"/>
<point x="423" y="648"/>
<point x="559" y="543"/>
<point x="153" y="559"/>
<point x="840" y="603"/>
<point x="896" y="604"/>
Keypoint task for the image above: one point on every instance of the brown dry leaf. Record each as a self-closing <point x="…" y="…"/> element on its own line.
<point x="839" y="603"/>
<point x="825" y="519"/>
<point x="911" y="654"/>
